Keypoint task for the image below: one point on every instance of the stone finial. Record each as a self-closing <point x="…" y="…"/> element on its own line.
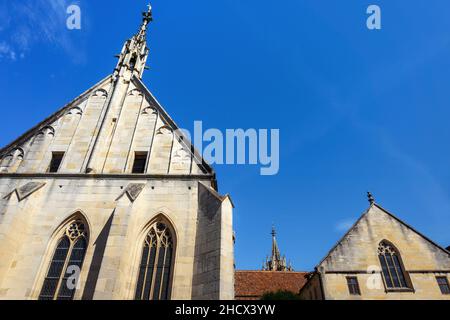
<point x="370" y="198"/>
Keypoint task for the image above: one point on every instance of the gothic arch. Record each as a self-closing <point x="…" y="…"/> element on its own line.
<point x="17" y="152"/>
<point x="181" y="154"/>
<point x="47" y="130"/>
<point x="392" y="268"/>
<point x="42" y="134"/>
<point x="149" y="110"/>
<point x="100" y="93"/>
<point x="75" y="111"/>
<point x="66" y="251"/>
<point x="164" y="130"/>
<point x="135" y="92"/>
<point x="78" y="213"/>
<point x="11" y="161"/>
<point x="154" y="261"/>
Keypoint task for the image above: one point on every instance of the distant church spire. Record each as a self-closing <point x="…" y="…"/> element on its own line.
<point x="276" y="261"/>
<point x="276" y="256"/>
<point x="135" y="52"/>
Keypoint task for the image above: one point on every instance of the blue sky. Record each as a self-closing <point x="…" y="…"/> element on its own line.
<point x="357" y="110"/>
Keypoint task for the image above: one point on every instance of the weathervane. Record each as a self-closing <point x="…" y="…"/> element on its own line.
<point x="148" y="15"/>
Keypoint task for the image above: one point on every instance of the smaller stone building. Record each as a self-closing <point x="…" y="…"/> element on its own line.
<point x="381" y="258"/>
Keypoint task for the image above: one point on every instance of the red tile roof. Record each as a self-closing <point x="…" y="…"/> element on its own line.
<point x="253" y="284"/>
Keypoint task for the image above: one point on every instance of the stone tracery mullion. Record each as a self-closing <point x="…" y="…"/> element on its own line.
<point x="74" y="231"/>
<point x="159" y="238"/>
<point x="385" y="251"/>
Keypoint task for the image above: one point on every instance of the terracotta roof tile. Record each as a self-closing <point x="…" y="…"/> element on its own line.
<point x="253" y="284"/>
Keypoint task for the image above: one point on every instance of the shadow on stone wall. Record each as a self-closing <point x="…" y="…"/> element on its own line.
<point x="99" y="251"/>
<point x="206" y="278"/>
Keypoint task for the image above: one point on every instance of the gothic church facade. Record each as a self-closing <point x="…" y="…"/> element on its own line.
<point x="108" y="192"/>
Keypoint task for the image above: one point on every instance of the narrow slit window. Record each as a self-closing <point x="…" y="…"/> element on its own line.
<point x="353" y="286"/>
<point x="443" y="285"/>
<point x="55" y="163"/>
<point x="140" y="160"/>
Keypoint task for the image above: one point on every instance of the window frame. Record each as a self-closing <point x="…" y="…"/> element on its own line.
<point x="73" y="240"/>
<point x="353" y="285"/>
<point x="446" y="284"/>
<point x="171" y="266"/>
<point x="409" y="286"/>
<point x="140" y="155"/>
<point x="60" y="155"/>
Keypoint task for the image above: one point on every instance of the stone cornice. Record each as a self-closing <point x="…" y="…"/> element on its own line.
<point x="107" y="176"/>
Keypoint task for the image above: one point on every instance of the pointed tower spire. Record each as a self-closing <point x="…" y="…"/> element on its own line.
<point x="135" y="52"/>
<point x="275" y="251"/>
<point x="276" y="261"/>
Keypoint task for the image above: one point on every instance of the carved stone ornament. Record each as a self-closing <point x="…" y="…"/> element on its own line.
<point x="26" y="190"/>
<point x="132" y="191"/>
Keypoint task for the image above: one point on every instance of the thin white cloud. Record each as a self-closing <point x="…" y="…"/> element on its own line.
<point x="25" y="24"/>
<point x="7" y="52"/>
<point x="344" y="225"/>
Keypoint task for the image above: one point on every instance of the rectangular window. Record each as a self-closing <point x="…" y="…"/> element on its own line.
<point x="140" y="160"/>
<point x="353" y="286"/>
<point x="55" y="163"/>
<point x="443" y="285"/>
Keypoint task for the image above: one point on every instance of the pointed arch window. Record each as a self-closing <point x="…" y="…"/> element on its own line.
<point x="65" y="266"/>
<point x="155" y="269"/>
<point x="392" y="267"/>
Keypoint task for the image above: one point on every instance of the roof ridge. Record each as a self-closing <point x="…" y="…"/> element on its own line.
<point x="411" y="228"/>
<point x="374" y="204"/>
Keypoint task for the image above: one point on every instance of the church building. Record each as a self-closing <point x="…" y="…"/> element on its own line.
<point x="381" y="258"/>
<point x="106" y="199"/>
